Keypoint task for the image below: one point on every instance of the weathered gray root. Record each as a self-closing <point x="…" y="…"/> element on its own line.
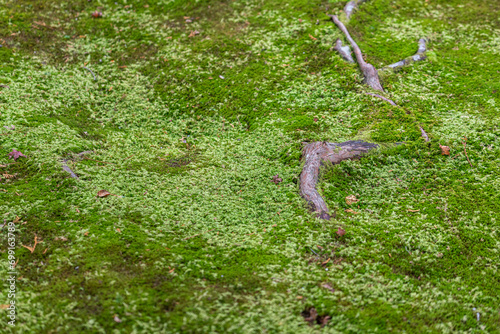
<point x="351" y="6"/>
<point x="383" y="98"/>
<point x="369" y="71"/>
<point x="67" y="169"/>
<point x="424" y="134"/>
<point x="344" y="51"/>
<point x="314" y="154"/>
<point x="419" y="56"/>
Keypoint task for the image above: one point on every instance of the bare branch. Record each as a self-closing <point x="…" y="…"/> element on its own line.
<point x="369" y="71"/>
<point x="314" y="155"/>
<point x="424" y="134"/>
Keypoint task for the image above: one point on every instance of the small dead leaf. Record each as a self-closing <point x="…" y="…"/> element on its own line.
<point x="299" y="297"/>
<point x="325" y="262"/>
<point x="315" y="119"/>
<point x="4" y="306"/>
<point x="410" y="210"/>
<point x="340" y="231"/>
<point x="445" y="150"/>
<point x="86" y="233"/>
<point x="61" y="238"/>
<point x="77" y="211"/>
<point x="96" y="14"/>
<point x="16" y="220"/>
<point x="32" y="249"/>
<point x="312" y="37"/>
<point x="171" y="270"/>
<point x="103" y="193"/>
<point x="116" y="319"/>
<point x="118" y="230"/>
<point x="277" y="179"/>
<point x="351" y="199"/>
<point x="16" y="155"/>
<point x="351" y="211"/>
<point x="328" y="287"/>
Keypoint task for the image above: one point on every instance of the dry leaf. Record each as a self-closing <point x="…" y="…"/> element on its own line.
<point x="351" y="211"/>
<point x="32" y="249"/>
<point x="116" y="319"/>
<point x="312" y="37"/>
<point x="325" y="262"/>
<point x="103" y="193"/>
<point x="277" y="179"/>
<point x="16" y="155"/>
<point x="4" y="306"/>
<point x="410" y="210"/>
<point x="445" y="150"/>
<point x="171" y="270"/>
<point x="118" y="230"/>
<point x="299" y="297"/>
<point x="328" y="287"/>
<point x="86" y="233"/>
<point x="351" y="199"/>
<point x="16" y="220"/>
<point x="340" y="231"/>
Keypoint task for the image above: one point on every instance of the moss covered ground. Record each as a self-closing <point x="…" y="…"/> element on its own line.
<point x="190" y="107"/>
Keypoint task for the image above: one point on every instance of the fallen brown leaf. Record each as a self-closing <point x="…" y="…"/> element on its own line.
<point x="116" y="319"/>
<point x="351" y="199"/>
<point x="32" y="249"/>
<point x="351" y="211"/>
<point x="4" y="306"/>
<point x="340" y="231"/>
<point x="445" y="150"/>
<point x="103" y="193"/>
<point x="16" y="220"/>
<point x="325" y="262"/>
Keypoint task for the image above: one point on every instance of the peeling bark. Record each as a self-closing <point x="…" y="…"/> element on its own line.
<point x="419" y="56"/>
<point x="369" y="71"/>
<point x="344" y="51"/>
<point x="314" y="155"/>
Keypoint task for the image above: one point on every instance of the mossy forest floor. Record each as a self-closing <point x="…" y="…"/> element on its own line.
<point x="189" y="122"/>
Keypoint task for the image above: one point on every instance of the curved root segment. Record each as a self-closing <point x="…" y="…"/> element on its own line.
<point x="419" y="56"/>
<point x="344" y="51"/>
<point x="314" y="155"/>
<point x="369" y="71"/>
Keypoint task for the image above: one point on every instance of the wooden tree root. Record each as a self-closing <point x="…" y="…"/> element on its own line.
<point x="69" y="170"/>
<point x="369" y="71"/>
<point x="314" y="155"/>
<point x="419" y="56"/>
<point x="351" y="6"/>
<point x="344" y="51"/>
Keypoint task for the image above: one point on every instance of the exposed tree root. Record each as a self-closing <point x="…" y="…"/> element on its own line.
<point x="344" y="51"/>
<point x="314" y="155"/>
<point x="424" y="134"/>
<point x="420" y="55"/>
<point x="67" y="169"/>
<point x="351" y="6"/>
<point x="369" y="71"/>
<point x="383" y="98"/>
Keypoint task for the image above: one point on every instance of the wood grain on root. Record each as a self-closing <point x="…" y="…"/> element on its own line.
<point x="369" y="71"/>
<point x="314" y="155"/>
<point x="419" y="56"/>
<point x="344" y="51"/>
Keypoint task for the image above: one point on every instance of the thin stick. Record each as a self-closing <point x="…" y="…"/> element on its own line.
<point x="465" y="150"/>
<point x="88" y="69"/>
<point x="424" y="134"/>
<point x="420" y="55"/>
